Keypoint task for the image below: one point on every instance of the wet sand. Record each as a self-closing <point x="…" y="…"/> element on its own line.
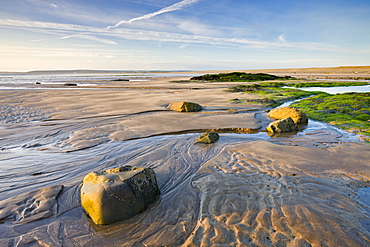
<point x="248" y="189"/>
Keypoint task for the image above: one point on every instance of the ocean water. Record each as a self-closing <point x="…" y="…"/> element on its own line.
<point x="16" y="81"/>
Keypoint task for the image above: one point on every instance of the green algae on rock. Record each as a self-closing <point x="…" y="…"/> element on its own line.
<point x="239" y="76"/>
<point x="271" y="93"/>
<point x="208" y="137"/>
<point x="118" y="194"/>
<point x="329" y="84"/>
<point x="349" y="111"/>
<point x="282" y="126"/>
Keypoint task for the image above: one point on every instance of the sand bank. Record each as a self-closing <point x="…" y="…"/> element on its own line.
<point x="244" y="190"/>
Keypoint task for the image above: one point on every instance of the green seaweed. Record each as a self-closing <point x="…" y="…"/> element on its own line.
<point x="329" y="84"/>
<point x="349" y="111"/>
<point x="273" y="93"/>
<point x="239" y="77"/>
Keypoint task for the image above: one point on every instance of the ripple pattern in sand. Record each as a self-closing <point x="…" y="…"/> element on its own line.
<point x="249" y="200"/>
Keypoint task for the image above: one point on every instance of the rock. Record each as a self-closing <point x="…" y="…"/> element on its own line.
<point x="185" y="107"/>
<point x="70" y="84"/>
<point x="121" y="80"/>
<point x="118" y="194"/>
<point x="38" y="83"/>
<point x="285" y="112"/>
<point x="282" y="126"/>
<point x="208" y="137"/>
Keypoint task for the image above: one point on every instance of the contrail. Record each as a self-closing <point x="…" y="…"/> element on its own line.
<point x="171" y="8"/>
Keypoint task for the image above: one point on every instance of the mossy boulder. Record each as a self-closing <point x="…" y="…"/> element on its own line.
<point x="208" y="137"/>
<point x="118" y="194"/>
<point x="282" y="126"/>
<point x="185" y="107"/>
<point x="284" y="112"/>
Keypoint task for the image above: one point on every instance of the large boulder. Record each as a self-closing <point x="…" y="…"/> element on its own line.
<point x="208" y="137"/>
<point x="282" y="126"/>
<point x="184" y="107"/>
<point x="285" y="112"/>
<point x="118" y="194"/>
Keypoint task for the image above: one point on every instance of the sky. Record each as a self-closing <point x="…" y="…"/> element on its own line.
<point x="183" y="35"/>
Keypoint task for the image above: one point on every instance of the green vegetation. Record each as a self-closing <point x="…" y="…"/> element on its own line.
<point x="329" y="84"/>
<point x="349" y="111"/>
<point x="272" y="93"/>
<point x="239" y="77"/>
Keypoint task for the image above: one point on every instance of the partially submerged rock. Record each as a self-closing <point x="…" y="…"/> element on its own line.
<point x="282" y="126"/>
<point x="70" y="84"/>
<point x="208" y="137"/>
<point x="185" y="107"/>
<point x="118" y="194"/>
<point x="284" y="112"/>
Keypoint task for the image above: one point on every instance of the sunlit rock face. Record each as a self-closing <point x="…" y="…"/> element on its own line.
<point x="184" y="107"/>
<point x="284" y="112"/>
<point x="208" y="137"/>
<point x="118" y="194"/>
<point x="282" y="126"/>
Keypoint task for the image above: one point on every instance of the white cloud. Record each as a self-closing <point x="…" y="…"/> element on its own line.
<point x="282" y="37"/>
<point x="90" y="37"/>
<point x="183" y="46"/>
<point x="196" y="28"/>
<point x="92" y="33"/>
<point x="173" y="7"/>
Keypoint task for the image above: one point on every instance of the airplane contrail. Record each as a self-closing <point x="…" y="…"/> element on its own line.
<point x="170" y="8"/>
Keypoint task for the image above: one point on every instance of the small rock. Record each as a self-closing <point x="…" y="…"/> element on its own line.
<point x="285" y="112"/>
<point x="121" y="80"/>
<point x="70" y="84"/>
<point x="185" y="107"/>
<point x="38" y="83"/>
<point x="208" y="137"/>
<point x="282" y="126"/>
<point x="118" y="194"/>
<point x="232" y="110"/>
<point x="36" y="173"/>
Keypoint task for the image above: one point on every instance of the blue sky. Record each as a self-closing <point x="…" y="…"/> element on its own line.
<point x="182" y="35"/>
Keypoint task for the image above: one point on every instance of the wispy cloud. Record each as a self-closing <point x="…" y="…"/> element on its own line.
<point x="173" y="7"/>
<point x="103" y="35"/>
<point x="282" y="37"/>
<point x="90" y="37"/>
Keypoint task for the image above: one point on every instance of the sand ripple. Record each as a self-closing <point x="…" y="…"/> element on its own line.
<point x="246" y="194"/>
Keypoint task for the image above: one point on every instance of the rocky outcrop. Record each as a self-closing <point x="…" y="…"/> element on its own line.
<point x="284" y="112"/>
<point x="118" y="194"/>
<point x="185" y="107"/>
<point x="208" y="137"/>
<point x="282" y="126"/>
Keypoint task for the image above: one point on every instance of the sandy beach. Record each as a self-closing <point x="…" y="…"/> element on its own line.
<point x="247" y="189"/>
